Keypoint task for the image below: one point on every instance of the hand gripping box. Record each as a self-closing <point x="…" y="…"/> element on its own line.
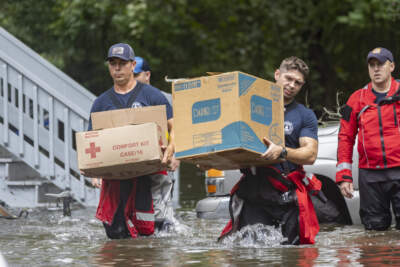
<point x="220" y="120"/>
<point x="119" y="149"/>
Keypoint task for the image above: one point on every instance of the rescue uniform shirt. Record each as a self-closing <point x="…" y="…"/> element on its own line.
<point x="148" y="96"/>
<point x="376" y="175"/>
<point x="378" y="95"/>
<point x="299" y="122"/>
<point x="114" y="218"/>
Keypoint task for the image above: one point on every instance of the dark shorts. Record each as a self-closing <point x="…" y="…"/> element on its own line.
<point x="376" y="197"/>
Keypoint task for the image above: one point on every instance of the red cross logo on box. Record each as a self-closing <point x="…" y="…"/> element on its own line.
<point x="92" y="150"/>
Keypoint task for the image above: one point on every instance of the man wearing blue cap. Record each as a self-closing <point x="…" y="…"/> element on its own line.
<point x="373" y="114"/>
<point x="142" y="70"/>
<point x="143" y="74"/>
<point x="126" y="206"/>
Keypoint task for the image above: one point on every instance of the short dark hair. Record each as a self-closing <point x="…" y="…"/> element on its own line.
<point x="295" y="63"/>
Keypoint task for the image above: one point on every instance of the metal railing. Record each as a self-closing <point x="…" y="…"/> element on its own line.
<point x="41" y="109"/>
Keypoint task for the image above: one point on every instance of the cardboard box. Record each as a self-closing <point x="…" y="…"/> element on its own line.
<point x="121" y="152"/>
<point x="220" y="120"/>
<point x="126" y="143"/>
<point x="129" y="116"/>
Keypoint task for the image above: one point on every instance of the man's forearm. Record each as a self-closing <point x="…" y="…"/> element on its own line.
<point x="306" y="154"/>
<point x="171" y="133"/>
<point x="301" y="156"/>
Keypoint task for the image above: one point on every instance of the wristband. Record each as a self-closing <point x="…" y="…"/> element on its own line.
<point x="283" y="154"/>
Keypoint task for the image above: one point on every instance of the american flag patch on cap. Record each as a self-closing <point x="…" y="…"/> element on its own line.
<point x="118" y="50"/>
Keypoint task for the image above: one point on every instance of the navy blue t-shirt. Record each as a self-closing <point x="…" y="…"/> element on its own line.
<point x="148" y="96"/>
<point x="378" y="95"/>
<point x="299" y="122"/>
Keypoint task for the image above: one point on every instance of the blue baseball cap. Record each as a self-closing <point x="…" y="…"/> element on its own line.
<point x="141" y="65"/>
<point x="122" y="51"/>
<point x="381" y="54"/>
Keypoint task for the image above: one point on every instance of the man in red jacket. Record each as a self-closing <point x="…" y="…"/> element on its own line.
<point x="373" y="114"/>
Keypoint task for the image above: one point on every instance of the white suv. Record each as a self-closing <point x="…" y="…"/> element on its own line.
<point x="219" y="184"/>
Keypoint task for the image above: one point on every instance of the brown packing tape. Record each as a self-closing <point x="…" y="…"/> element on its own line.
<point x="210" y="73"/>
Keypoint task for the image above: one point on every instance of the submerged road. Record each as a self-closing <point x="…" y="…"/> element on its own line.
<point x="49" y="239"/>
<point x="46" y="238"/>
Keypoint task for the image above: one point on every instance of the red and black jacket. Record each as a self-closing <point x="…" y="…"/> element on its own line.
<point x="377" y="128"/>
<point x="299" y="181"/>
<point x="139" y="211"/>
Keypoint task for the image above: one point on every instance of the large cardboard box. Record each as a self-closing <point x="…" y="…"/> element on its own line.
<point x="220" y="120"/>
<point x="120" y="153"/>
<point x="125" y="143"/>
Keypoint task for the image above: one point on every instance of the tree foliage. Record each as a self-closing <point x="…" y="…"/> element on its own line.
<point x="186" y="38"/>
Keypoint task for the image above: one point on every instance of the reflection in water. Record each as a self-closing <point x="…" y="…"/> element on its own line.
<point x="307" y="256"/>
<point x="374" y="255"/>
<point x="48" y="239"/>
<point x="336" y="246"/>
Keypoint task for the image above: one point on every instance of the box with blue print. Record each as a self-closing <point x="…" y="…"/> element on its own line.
<point x="220" y="120"/>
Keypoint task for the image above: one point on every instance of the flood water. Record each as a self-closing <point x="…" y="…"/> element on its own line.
<point x="46" y="238"/>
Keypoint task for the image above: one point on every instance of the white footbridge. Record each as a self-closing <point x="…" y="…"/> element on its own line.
<point x="41" y="108"/>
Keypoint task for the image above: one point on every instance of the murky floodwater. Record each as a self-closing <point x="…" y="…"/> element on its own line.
<point x="47" y="238"/>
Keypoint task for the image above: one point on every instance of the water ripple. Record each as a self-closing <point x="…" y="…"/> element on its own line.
<point x="49" y="239"/>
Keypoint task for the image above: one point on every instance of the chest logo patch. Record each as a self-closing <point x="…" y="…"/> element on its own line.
<point x="136" y="105"/>
<point x="288" y="126"/>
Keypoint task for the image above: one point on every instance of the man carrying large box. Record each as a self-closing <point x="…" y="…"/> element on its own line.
<point x="271" y="193"/>
<point x="125" y="206"/>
